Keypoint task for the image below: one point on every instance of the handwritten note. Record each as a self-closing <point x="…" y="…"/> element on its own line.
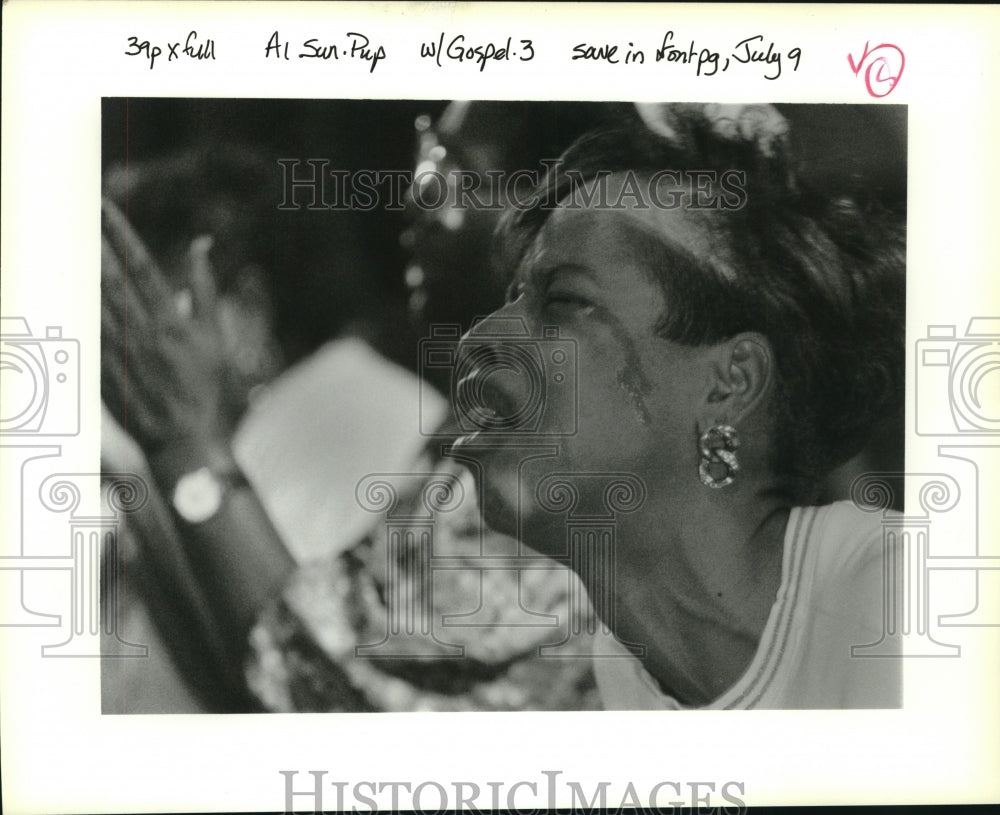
<point x="354" y="46"/>
<point x="756" y="54"/>
<point x="755" y="51"/>
<point x="194" y="47"/>
<point x="884" y="69"/>
<point x="459" y="49"/>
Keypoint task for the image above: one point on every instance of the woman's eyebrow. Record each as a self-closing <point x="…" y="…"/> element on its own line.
<point x="540" y="275"/>
<point x="579" y="269"/>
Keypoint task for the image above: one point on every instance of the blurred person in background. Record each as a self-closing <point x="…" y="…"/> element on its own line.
<point x="341" y="413"/>
<point x="207" y="214"/>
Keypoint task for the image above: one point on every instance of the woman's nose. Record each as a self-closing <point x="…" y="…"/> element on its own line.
<point x="506" y="323"/>
<point x="499" y="374"/>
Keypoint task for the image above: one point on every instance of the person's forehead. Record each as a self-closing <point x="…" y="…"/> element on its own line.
<point x="630" y="221"/>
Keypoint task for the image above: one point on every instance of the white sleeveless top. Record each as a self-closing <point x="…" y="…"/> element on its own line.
<point x="830" y="599"/>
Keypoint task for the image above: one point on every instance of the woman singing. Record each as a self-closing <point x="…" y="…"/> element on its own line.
<point x="736" y="335"/>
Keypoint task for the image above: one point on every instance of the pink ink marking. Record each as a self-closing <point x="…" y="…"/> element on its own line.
<point x="884" y="70"/>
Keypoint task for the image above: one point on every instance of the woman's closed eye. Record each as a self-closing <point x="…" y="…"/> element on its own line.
<point x="557" y="297"/>
<point x="567" y="292"/>
<point x="557" y="291"/>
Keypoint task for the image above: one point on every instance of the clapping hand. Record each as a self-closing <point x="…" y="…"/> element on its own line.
<point x="165" y="374"/>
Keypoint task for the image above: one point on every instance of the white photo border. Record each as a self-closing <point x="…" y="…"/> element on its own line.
<point x="61" y="58"/>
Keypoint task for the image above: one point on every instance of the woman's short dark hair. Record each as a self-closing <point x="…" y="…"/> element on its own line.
<point x="820" y="272"/>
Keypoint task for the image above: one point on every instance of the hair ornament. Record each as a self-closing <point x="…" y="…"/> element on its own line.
<point x="759" y="123"/>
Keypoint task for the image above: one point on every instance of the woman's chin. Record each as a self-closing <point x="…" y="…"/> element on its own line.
<point x="507" y="490"/>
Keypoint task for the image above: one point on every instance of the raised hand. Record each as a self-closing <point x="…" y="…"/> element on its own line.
<point x="164" y="370"/>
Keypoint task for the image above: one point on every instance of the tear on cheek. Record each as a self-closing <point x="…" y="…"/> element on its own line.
<point x="634" y="384"/>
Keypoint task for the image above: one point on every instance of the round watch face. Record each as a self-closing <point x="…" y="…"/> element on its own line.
<point x="198" y="495"/>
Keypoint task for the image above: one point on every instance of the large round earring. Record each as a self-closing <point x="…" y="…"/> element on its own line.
<point x="718" y="446"/>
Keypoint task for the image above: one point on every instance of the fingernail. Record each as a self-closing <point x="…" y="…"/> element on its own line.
<point x="202" y="245"/>
<point x="184" y="303"/>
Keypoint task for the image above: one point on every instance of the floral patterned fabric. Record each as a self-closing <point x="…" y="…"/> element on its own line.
<point x="304" y="650"/>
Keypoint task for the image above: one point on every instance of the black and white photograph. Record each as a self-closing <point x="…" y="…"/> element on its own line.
<point x="473" y="405"/>
<point x="497" y="406"/>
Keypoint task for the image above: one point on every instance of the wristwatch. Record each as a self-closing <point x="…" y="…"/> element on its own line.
<point x="198" y="495"/>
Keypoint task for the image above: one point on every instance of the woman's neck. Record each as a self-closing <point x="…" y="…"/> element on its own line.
<point x="698" y="592"/>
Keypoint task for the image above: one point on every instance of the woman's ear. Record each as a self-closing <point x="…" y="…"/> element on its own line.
<point x="743" y="375"/>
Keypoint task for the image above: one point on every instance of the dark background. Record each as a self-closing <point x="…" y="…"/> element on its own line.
<point x="351" y="135"/>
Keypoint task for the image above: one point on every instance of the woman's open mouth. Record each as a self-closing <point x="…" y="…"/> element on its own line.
<point x="482" y="404"/>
